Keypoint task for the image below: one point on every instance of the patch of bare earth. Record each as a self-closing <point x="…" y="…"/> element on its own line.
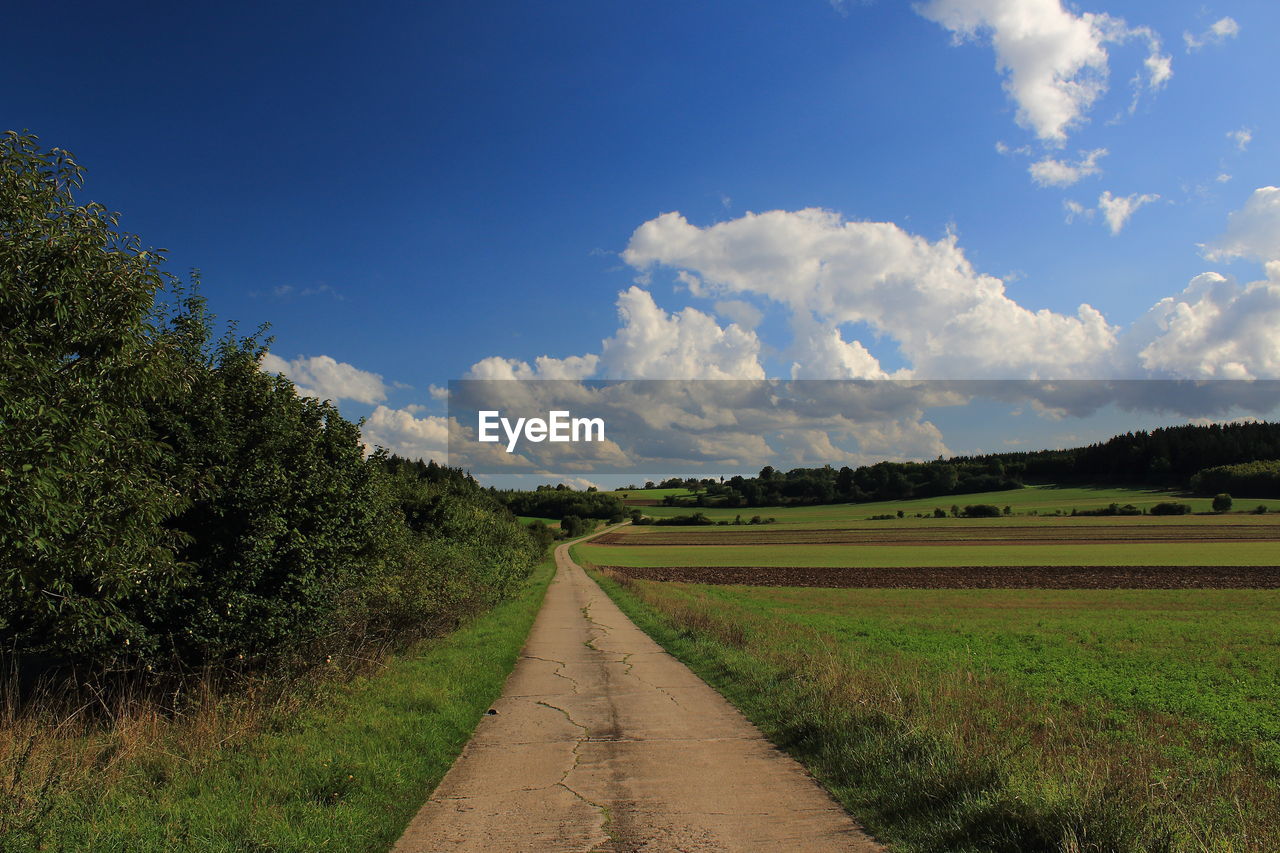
<point x="973" y="577"/>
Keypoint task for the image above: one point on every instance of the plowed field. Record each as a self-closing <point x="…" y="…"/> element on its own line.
<point x="951" y="536"/>
<point x="973" y="577"/>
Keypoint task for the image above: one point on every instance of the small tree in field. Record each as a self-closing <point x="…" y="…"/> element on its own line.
<point x="1222" y="502"/>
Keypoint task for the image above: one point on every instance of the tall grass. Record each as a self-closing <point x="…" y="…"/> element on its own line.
<point x="338" y="757"/>
<point x="961" y="759"/>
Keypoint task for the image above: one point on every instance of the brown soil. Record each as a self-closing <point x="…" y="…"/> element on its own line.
<point x="975" y="577"/>
<point x="989" y="535"/>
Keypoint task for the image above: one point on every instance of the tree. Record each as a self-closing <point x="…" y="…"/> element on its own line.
<point x="81" y="496"/>
<point x="1222" y="502"/>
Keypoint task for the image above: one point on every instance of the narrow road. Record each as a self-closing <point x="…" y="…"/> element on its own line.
<point x="604" y="742"/>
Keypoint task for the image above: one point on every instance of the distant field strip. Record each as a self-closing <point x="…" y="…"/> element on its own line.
<point x="971" y="577"/>
<point x="1190" y="553"/>
<point x="955" y="535"/>
<point x="1031" y="505"/>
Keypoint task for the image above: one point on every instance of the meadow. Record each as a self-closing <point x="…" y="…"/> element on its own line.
<point x="1041" y="500"/>
<point x="1012" y="719"/>
<point x="953" y="554"/>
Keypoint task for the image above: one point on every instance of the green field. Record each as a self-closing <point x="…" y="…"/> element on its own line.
<point x="993" y="719"/>
<point x="528" y="519"/>
<point x="1010" y="720"/>
<point x="1043" y="500"/>
<point x="650" y="494"/>
<point x="818" y="556"/>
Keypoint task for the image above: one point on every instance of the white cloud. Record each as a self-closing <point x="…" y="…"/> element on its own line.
<point x="1216" y="330"/>
<point x="1221" y="30"/>
<point x="544" y="367"/>
<point x="1055" y="63"/>
<point x="1117" y="209"/>
<point x="687" y="344"/>
<point x="1241" y="137"/>
<point x="744" y="314"/>
<point x="1076" y="210"/>
<point x="323" y="377"/>
<point x="405" y="435"/>
<point x="946" y="319"/>
<point x="821" y="352"/>
<point x="1049" y="172"/>
<point x="1253" y="231"/>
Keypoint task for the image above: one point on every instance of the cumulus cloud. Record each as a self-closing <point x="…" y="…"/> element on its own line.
<point x="687" y="344"/>
<point x="946" y="318"/>
<point x="744" y="314"/>
<point x="1253" y="231"/>
<point x="1221" y="30"/>
<point x="544" y="367"/>
<point x="1217" y="330"/>
<point x="405" y="435"/>
<point x="1116" y="210"/>
<point x="324" y="377"/>
<point x="1055" y="62"/>
<point x="821" y="352"/>
<point x="1049" y="172"/>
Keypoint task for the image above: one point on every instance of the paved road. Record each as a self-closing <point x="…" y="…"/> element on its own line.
<point x="604" y="742"/>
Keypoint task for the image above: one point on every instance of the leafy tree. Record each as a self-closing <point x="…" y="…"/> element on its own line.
<point x="81" y="498"/>
<point x="1222" y="502"/>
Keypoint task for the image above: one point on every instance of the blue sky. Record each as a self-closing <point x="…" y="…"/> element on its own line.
<point x="412" y="193"/>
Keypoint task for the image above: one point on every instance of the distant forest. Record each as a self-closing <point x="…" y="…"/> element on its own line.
<point x="1236" y="458"/>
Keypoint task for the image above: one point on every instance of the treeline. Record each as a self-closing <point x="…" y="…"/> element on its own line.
<point x="164" y="504"/>
<point x="1165" y="457"/>
<point x="1235" y="458"/>
<point x="563" y="503"/>
<point x="1246" y="480"/>
<point x="879" y="482"/>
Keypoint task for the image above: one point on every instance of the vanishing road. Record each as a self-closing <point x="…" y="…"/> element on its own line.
<point x="604" y="742"/>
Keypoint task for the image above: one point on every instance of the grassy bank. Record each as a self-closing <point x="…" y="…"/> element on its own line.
<point x="342" y="770"/>
<point x="1064" y="725"/>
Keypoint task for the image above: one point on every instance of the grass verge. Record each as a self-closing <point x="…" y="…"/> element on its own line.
<point x="344" y="772"/>
<point x="961" y="758"/>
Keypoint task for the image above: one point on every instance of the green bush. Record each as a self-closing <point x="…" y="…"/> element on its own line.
<point x="166" y="505"/>
<point x="1170" y="508"/>
<point x="1259" y="479"/>
<point x="82" y="499"/>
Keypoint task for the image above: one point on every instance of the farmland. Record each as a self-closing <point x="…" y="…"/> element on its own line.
<point x="1040" y="500"/>
<point x="1087" y="699"/>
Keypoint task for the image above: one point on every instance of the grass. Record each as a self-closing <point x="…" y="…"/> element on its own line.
<point x="1011" y="720"/>
<point x="858" y="555"/>
<point x="651" y="494"/>
<point x="344" y="771"/>
<point x="528" y="519"/>
<point x="1043" y="500"/>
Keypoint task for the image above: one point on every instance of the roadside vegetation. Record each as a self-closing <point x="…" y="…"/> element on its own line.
<point x="340" y="764"/>
<point x="190" y="551"/>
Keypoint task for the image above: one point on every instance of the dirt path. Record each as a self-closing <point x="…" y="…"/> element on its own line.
<point x="604" y="742"/>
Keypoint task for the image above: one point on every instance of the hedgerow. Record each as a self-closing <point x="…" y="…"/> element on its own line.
<point x="164" y="504"/>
